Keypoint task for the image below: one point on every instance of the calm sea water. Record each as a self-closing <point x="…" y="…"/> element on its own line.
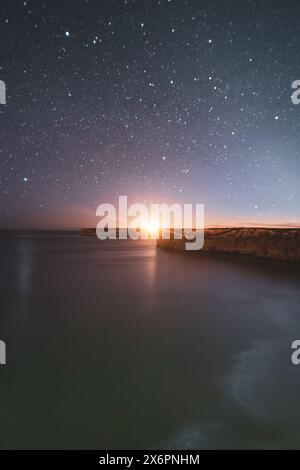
<point x="119" y="345"/>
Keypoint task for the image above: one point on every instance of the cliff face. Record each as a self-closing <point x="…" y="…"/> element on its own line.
<point x="274" y="243"/>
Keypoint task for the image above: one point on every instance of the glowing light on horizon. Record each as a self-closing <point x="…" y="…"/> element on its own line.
<point x="152" y="227"/>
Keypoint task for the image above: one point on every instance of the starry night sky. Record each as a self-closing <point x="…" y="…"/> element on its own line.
<point x="161" y="100"/>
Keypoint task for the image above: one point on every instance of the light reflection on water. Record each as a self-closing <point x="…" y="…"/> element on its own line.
<point x="25" y="264"/>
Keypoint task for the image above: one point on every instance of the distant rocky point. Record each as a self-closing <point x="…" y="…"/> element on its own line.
<point x="273" y="243"/>
<point x="88" y="232"/>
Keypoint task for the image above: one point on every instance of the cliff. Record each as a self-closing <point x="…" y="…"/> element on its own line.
<point x="273" y="243"/>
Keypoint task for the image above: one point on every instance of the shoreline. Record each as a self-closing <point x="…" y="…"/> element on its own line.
<point x="269" y="243"/>
<point x="260" y="242"/>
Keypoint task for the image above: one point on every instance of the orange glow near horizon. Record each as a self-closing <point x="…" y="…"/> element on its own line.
<point x="152" y="227"/>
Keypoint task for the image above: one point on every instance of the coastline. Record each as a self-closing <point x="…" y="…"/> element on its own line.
<point x="270" y="243"/>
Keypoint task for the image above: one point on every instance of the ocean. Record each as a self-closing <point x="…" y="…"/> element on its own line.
<point x="120" y="345"/>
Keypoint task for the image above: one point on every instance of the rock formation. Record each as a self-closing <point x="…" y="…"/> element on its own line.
<point x="274" y="243"/>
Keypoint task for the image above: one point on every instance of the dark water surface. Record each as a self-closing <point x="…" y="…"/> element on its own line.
<point x="119" y="345"/>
